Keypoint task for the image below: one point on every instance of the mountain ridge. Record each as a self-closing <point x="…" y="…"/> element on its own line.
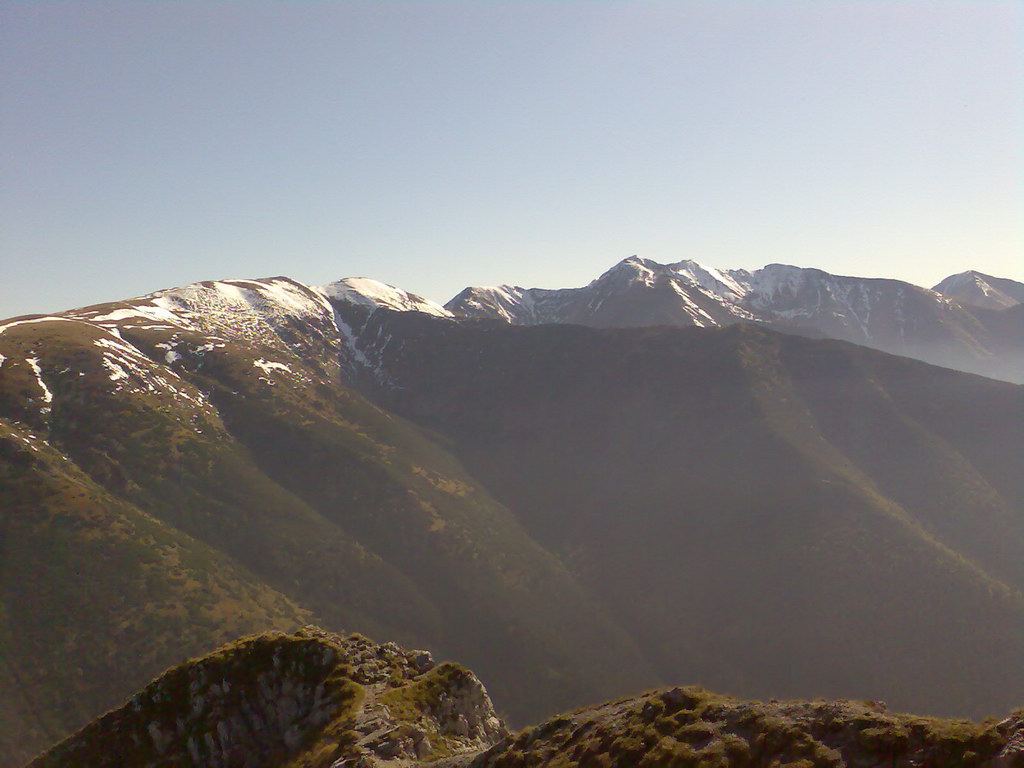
<point x="303" y="699"/>
<point x="881" y="313"/>
<point x="975" y="327"/>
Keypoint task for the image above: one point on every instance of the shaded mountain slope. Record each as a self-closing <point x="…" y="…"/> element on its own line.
<point x="736" y="496"/>
<point x="215" y="415"/>
<point x="88" y="580"/>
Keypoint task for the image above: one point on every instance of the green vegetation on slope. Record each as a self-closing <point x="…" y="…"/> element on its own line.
<point x="732" y="514"/>
<point x="97" y="596"/>
<point x="716" y="508"/>
<point x="692" y="728"/>
<point x="299" y="495"/>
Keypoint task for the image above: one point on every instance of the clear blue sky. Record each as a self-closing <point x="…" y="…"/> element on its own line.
<point x="434" y="145"/>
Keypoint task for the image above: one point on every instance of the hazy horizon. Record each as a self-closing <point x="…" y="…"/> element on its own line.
<point x="435" y="146"/>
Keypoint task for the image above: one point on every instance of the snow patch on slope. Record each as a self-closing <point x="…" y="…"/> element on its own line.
<point x="153" y="313"/>
<point x="49" y="318"/>
<point x="349" y="339"/>
<point x="128" y="369"/>
<point x="700" y="318"/>
<point x="251" y="302"/>
<point x="374" y="294"/>
<point x="47" y="394"/>
<point x="114" y="368"/>
<point x="772" y="283"/>
<point x="268" y="365"/>
<point x="722" y="284"/>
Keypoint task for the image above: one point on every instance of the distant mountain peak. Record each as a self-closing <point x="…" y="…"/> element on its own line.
<point x="633" y="268"/>
<point x="979" y="289"/>
<point x="371" y="293"/>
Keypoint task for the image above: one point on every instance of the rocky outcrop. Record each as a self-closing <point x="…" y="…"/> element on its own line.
<point x="1012" y="753"/>
<point x="313" y="699"/>
<point x="412" y="708"/>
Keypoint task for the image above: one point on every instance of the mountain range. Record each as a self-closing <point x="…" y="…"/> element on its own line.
<point x="576" y="512"/>
<point x="971" y="322"/>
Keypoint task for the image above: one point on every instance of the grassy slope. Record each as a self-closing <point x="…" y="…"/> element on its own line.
<point x="946" y="447"/>
<point x="98" y="596"/>
<point x="493" y="587"/>
<point x="297" y="493"/>
<point x="693" y="728"/>
<point x="497" y="599"/>
<point x="731" y="513"/>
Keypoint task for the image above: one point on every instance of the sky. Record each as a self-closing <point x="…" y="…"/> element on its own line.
<point x="434" y="145"/>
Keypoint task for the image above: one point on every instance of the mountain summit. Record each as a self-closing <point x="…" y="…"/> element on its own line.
<point x="982" y="290"/>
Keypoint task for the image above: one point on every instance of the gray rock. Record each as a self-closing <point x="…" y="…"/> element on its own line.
<point x="422" y="661"/>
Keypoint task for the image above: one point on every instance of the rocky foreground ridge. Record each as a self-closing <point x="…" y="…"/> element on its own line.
<point x="307" y="700"/>
<point x="315" y="699"/>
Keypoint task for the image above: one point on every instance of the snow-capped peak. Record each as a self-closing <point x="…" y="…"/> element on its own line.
<point x="779" y="279"/>
<point x="719" y="283"/>
<point x="373" y="294"/>
<point x="969" y="281"/>
<point x="633" y="269"/>
<point x="982" y="290"/>
<point x="970" y="276"/>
